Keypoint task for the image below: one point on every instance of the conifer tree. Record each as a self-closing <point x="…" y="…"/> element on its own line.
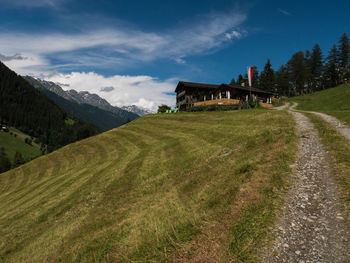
<point x="316" y="68"/>
<point x="233" y="81"/>
<point x="331" y="74"/>
<point x="240" y="79"/>
<point x="344" y="58"/>
<point x="282" y="81"/>
<point x="308" y="66"/>
<point x="255" y="78"/>
<point x="267" y="78"/>
<point x="298" y="73"/>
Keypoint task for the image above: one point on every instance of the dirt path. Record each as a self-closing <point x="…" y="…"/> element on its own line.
<point x="313" y="227"/>
<point x="334" y="122"/>
<point x="338" y="125"/>
<point x="283" y="107"/>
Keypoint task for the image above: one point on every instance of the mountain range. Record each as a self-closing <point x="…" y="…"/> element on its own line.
<point x="84" y="105"/>
<point x="85" y="97"/>
<point x="30" y="111"/>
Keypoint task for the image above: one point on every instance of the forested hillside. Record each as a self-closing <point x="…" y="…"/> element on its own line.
<point x="25" y="108"/>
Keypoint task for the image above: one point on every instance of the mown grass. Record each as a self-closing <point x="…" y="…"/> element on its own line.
<point x="339" y="149"/>
<point x="13" y="144"/>
<point x="145" y="192"/>
<point x="334" y="101"/>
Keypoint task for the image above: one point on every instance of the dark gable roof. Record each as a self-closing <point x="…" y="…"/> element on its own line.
<point x="255" y="90"/>
<point x="184" y="84"/>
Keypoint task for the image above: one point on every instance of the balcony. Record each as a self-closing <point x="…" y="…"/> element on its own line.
<point x="217" y="102"/>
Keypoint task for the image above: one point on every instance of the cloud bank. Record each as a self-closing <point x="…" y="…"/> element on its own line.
<point x="119" y="46"/>
<point x="143" y="91"/>
<point x="47" y="55"/>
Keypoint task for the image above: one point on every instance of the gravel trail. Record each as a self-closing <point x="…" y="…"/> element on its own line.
<point x="313" y="227"/>
<point x="338" y="125"/>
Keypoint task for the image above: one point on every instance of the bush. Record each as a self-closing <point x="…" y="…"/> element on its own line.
<point x="18" y="159"/>
<point x="28" y="141"/>
<point x="163" y="108"/>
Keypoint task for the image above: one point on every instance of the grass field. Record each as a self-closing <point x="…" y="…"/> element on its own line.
<point x="163" y="188"/>
<point x="14" y="144"/>
<point x="339" y="149"/>
<point x="334" y="101"/>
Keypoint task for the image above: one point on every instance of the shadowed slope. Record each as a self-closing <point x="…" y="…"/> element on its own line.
<point x="148" y="189"/>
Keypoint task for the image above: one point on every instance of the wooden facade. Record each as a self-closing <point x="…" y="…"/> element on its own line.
<point x="190" y="94"/>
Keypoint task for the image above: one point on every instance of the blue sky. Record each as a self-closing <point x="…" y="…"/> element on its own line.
<point x="140" y="49"/>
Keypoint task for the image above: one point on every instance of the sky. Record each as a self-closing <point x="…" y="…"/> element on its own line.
<point x="135" y="52"/>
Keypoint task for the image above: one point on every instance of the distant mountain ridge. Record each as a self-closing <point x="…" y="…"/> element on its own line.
<point x="84" y="105"/>
<point x="137" y="110"/>
<point x="25" y="108"/>
<point x="85" y="97"/>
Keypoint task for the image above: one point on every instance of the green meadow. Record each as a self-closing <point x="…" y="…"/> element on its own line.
<point x="14" y="142"/>
<point x="162" y="188"/>
<point x="333" y="101"/>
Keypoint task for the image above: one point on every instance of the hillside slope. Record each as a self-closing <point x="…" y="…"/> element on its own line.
<point x="162" y="188"/>
<point x="14" y="142"/>
<point x="25" y="108"/>
<point x="333" y="101"/>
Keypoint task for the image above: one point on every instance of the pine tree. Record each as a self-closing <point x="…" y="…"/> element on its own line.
<point x="240" y="79"/>
<point x="316" y="68"/>
<point x="255" y="78"/>
<point x="298" y="73"/>
<point x="233" y="81"/>
<point x="267" y="78"/>
<point x="282" y="81"/>
<point x="331" y="74"/>
<point x="344" y="58"/>
<point x="308" y="65"/>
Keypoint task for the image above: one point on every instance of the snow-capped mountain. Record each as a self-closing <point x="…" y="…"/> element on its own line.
<point x="82" y="97"/>
<point x="85" y="97"/>
<point x="137" y="110"/>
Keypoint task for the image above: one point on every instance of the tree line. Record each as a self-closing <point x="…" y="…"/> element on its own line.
<point x="305" y="72"/>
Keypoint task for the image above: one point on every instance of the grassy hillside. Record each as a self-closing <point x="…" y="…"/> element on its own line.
<point x="13" y="144"/>
<point x="169" y="187"/>
<point x="334" y="101"/>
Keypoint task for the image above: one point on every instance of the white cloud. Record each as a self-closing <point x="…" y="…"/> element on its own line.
<point x="143" y="91"/>
<point x="235" y="34"/>
<point x="122" y="46"/>
<point x="286" y="13"/>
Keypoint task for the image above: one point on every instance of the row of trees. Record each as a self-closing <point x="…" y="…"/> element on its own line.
<point x="305" y="72"/>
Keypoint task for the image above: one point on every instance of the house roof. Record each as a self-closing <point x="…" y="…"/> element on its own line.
<point x="236" y="86"/>
<point x="184" y="84"/>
